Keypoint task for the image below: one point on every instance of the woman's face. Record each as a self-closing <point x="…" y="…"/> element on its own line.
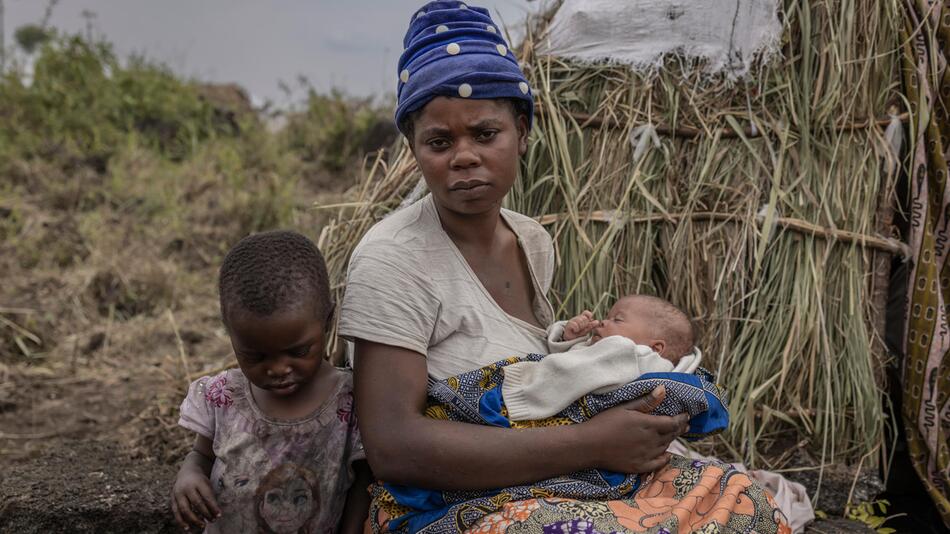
<point x="468" y="151"/>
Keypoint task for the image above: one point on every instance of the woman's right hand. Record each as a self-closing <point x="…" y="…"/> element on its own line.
<point x="633" y="441"/>
<point x="193" y="502"/>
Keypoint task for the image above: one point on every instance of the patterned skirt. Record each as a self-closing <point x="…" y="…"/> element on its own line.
<point x="685" y="496"/>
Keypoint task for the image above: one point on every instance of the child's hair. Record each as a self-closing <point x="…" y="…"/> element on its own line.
<point x="274" y="271"/>
<point x="680" y="330"/>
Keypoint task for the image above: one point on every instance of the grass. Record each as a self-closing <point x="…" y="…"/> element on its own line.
<point x="122" y="185"/>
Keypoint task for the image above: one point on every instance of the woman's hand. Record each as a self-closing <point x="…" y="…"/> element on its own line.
<point x="193" y="501"/>
<point x="632" y="441"/>
<point x="580" y="326"/>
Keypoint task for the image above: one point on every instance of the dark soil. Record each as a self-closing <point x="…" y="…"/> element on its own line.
<point x="86" y="486"/>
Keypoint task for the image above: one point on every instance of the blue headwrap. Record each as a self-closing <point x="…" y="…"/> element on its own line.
<point x="456" y="50"/>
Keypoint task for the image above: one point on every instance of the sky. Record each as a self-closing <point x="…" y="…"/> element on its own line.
<point x="352" y="45"/>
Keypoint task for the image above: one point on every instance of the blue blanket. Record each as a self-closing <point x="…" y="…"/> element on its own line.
<point x="476" y="397"/>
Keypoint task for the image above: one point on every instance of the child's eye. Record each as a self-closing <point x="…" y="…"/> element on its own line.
<point x="250" y="357"/>
<point x="300" y="352"/>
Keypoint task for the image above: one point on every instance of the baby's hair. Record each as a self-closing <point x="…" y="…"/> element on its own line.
<point x="274" y="271"/>
<point x="672" y="320"/>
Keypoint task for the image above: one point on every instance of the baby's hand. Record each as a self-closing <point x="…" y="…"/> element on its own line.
<point x="193" y="501"/>
<point x="580" y="326"/>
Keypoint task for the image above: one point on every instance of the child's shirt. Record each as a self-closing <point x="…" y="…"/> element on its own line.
<point x="273" y="475"/>
<point x="535" y="390"/>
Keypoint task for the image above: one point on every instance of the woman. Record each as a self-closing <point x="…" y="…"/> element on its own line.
<point x="455" y="282"/>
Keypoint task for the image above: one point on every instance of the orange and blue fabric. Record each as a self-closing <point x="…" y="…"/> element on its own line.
<point x="476" y="397"/>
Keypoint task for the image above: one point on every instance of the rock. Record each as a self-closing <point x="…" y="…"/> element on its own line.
<point x="836" y="485"/>
<point x="838" y="526"/>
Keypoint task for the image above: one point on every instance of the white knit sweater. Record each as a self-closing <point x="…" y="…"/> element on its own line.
<point x="535" y="390"/>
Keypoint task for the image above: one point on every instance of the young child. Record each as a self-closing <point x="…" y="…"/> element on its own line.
<point x="641" y="334"/>
<point x="276" y="446"/>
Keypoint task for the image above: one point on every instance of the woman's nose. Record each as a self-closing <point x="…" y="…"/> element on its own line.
<point x="465" y="156"/>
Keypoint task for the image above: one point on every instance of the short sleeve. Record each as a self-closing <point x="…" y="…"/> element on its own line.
<point x="389" y="299"/>
<point x="197" y="410"/>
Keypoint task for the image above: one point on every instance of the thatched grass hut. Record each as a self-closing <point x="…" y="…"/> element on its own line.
<point x="764" y="205"/>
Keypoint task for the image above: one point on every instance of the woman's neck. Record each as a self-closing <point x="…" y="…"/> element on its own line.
<point x="470" y="230"/>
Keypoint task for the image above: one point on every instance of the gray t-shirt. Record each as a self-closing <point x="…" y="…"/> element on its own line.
<point x="409" y="286"/>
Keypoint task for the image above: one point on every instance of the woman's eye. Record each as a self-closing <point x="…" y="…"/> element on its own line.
<point x="437" y="144"/>
<point x="487" y="135"/>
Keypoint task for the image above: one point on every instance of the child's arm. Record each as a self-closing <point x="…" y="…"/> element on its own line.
<point x="356" y="509"/>
<point x="193" y="501"/>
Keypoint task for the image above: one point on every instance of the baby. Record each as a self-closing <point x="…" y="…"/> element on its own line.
<point x="276" y="444"/>
<point x="643" y="319"/>
<point x="641" y="334"/>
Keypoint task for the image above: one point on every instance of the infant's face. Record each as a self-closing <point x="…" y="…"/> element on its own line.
<point x="623" y="319"/>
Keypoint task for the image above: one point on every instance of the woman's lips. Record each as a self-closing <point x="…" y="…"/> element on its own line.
<point x="468" y="188"/>
<point x="464" y="185"/>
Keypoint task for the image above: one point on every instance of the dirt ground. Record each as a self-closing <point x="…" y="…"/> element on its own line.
<point x="86" y="486"/>
<point x="108" y="309"/>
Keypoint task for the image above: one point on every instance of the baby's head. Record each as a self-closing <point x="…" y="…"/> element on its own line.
<point x="649" y="321"/>
<point x="275" y="304"/>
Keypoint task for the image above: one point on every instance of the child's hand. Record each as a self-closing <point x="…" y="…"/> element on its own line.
<point x="193" y="501"/>
<point x="580" y="326"/>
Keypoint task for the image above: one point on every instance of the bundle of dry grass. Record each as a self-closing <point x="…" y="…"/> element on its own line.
<point x="763" y="211"/>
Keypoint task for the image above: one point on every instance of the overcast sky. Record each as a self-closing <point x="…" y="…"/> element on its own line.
<point x="349" y="44"/>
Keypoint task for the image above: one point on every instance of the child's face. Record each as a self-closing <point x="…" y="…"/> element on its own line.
<point x="281" y="353"/>
<point x="623" y="319"/>
<point x="469" y="151"/>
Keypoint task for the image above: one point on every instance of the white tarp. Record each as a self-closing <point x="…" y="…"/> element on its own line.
<point x="728" y="36"/>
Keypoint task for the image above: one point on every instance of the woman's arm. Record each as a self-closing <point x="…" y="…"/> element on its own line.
<point x="405" y="447"/>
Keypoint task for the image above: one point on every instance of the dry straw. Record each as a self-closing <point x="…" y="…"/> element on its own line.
<point x="766" y="220"/>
